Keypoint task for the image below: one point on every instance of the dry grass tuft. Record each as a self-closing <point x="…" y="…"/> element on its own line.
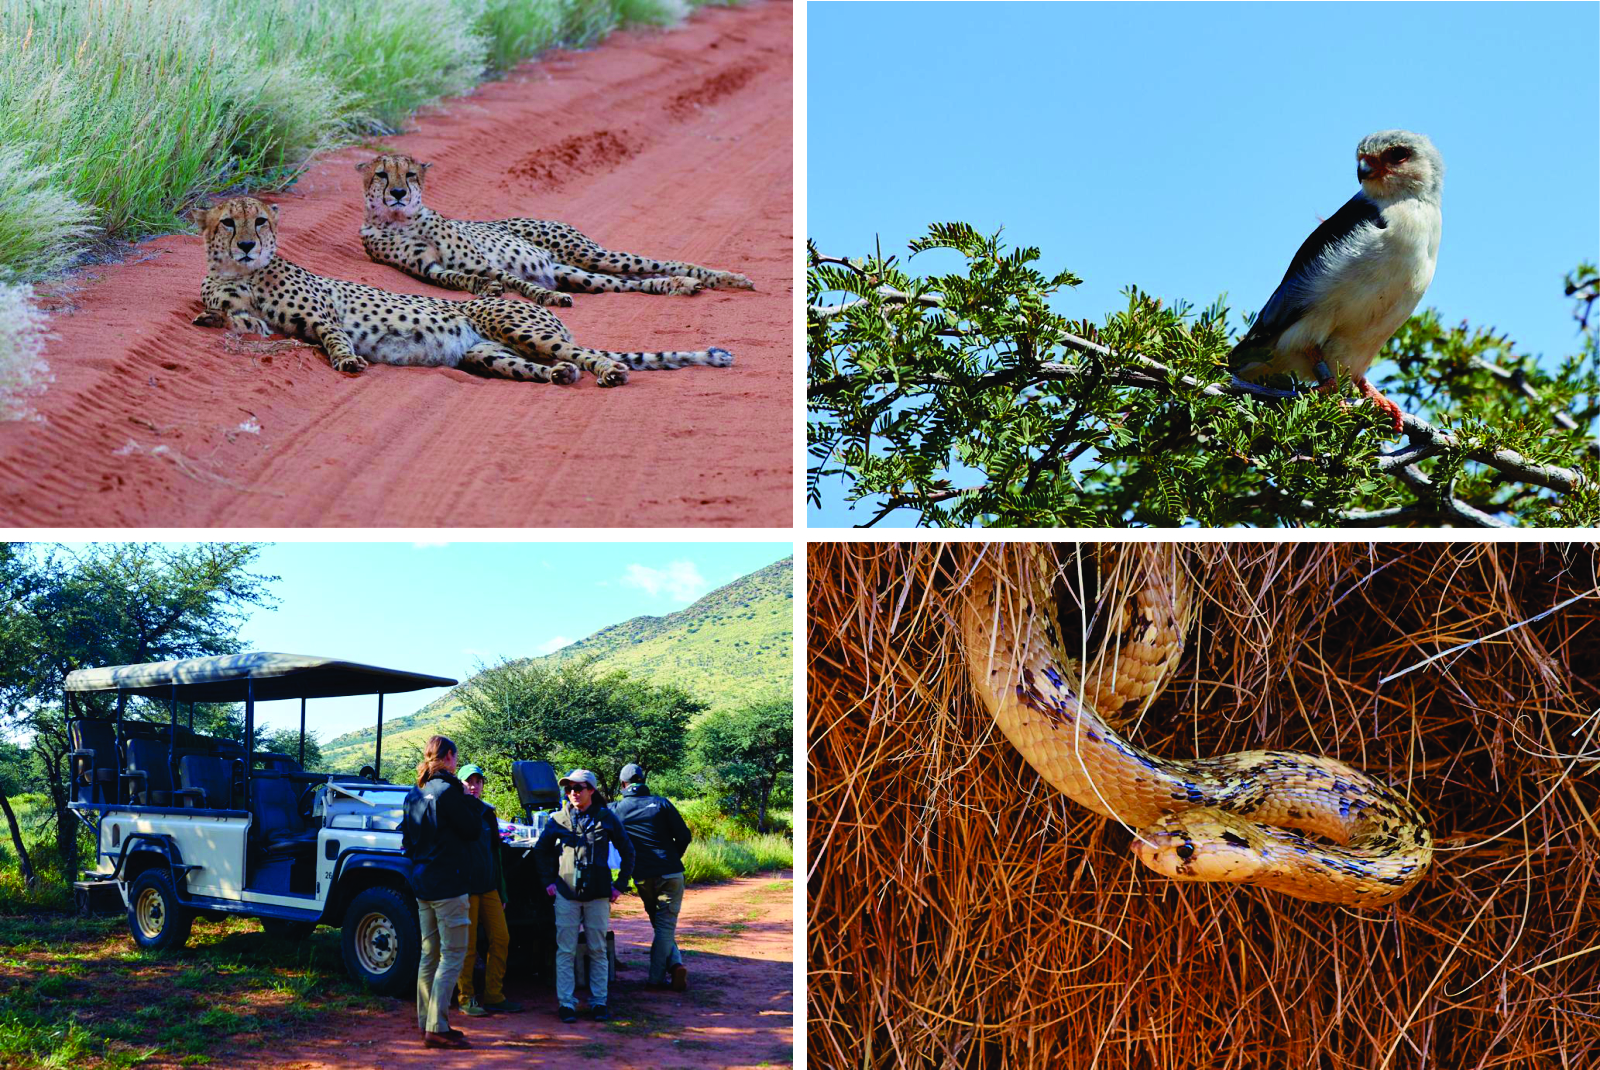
<point x="963" y="913"/>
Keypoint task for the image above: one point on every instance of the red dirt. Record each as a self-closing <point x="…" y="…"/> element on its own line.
<point x="674" y="144"/>
<point x="738" y="942"/>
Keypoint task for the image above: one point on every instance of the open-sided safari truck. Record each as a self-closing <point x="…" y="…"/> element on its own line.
<point x="189" y="824"/>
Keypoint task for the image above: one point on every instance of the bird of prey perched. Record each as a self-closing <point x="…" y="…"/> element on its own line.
<point x="1358" y="276"/>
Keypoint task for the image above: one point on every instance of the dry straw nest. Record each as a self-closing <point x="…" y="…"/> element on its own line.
<point x="963" y="913"/>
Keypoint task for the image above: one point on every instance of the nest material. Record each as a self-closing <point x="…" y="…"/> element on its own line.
<point x="963" y="913"/>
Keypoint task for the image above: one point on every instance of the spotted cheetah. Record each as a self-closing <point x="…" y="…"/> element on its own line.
<point x="531" y="256"/>
<point x="250" y="288"/>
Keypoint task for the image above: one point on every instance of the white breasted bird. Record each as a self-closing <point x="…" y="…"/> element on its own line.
<point x="1358" y="276"/>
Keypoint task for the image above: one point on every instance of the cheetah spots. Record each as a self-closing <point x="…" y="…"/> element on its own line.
<point x="573" y="157"/>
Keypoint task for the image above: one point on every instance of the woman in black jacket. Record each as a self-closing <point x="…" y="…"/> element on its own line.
<point x="440" y="820"/>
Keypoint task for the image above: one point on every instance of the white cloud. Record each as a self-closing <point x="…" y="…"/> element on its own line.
<point x="680" y="580"/>
<point x="552" y="645"/>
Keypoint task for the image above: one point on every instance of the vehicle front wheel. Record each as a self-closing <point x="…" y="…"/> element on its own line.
<point x="383" y="941"/>
<point x="158" y="921"/>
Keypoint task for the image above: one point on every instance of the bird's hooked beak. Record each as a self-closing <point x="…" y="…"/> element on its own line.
<point x="1366" y="167"/>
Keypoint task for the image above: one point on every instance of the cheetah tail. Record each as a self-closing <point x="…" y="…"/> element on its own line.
<point x="715" y="356"/>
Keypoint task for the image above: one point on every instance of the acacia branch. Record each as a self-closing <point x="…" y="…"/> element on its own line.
<point x="1423" y="439"/>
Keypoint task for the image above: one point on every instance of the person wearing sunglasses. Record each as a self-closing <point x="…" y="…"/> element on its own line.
<point x="574" y="858"/>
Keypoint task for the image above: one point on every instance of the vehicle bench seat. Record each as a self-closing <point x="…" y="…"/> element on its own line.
<point x="278" y="827"/>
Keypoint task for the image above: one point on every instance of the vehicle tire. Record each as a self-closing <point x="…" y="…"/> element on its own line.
<point x="157" y="920"/>
<point x="382" y="941"/>
<point x="280" y="929"/>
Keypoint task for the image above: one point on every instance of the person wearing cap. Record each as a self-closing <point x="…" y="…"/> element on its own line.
<point x="574" y="857"/>
<point x="486" y="903"/>
<point x="659" y="839"/>
<point x="438" y="824"/>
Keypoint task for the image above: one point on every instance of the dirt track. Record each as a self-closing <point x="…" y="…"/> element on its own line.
<point x="671" y="144"/>
<point x="738" y="943"/>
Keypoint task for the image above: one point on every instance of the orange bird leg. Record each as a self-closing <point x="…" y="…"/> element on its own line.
<point x="1383" y="403"/>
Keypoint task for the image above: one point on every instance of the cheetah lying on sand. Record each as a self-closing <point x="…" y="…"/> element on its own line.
<point x="531" y="256"/>
<point x="250" y="288"/>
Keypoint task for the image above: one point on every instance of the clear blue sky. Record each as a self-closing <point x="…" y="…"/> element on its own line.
<point x="443" y="608"/>
<point x="1190" y="148"/>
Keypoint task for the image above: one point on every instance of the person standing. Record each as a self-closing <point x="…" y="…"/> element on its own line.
<point x="486" y="903"/>
<point x="574" y="858"/>
<point x="439" y="823"/>
<point x="659" y="839"/>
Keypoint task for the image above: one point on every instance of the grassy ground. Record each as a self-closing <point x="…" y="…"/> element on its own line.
<point x="77" y="991"/>
<point x="117" y="115"/>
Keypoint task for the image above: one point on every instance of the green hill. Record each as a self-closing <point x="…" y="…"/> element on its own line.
<point x="732" y="647"/>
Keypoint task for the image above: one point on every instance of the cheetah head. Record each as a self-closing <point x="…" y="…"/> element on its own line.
<point x="393" y="186"/>
<point x="241" y="235"/>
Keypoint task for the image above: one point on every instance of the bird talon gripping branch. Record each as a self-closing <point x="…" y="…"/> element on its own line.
<point x="1358" y="276"/>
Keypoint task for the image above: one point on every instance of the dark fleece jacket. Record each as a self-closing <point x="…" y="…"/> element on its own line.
<point x="440" y="820"/>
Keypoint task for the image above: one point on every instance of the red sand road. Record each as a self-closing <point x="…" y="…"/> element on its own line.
<point x="673" y="144"/>
<point x="738" y="943"/>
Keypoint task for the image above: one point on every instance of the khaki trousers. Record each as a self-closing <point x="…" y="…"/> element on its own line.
<point x="596" y="917"/>
<point x="444" y="948"/>
<point x="663" y="898"/>
<point x="488" y="909"/>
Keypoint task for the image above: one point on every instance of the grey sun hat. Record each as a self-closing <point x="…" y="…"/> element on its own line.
<point x="467" y="772"/>
<point x="581" y="776"/>
<point x="631" y="773"/>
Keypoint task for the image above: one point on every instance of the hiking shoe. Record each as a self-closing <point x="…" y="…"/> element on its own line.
<point x="568" y="1014"/>
<point x="505" y="1006"/>
<point x="599" y="1011"/>
<point x="680" y="979"/>
<point x="474" y="1009"/>
<point x="444" y="1040"/>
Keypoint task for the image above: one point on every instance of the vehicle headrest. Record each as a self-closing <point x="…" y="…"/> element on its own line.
<point x="536" y="785"/>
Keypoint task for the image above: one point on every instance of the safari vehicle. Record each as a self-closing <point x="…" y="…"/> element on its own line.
<point x="189" y="824"/>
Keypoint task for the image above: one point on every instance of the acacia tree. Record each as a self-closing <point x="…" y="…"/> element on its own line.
<point x="1135" y="421"/>
<point x="112" y="604"/>
<point x="748" y="755"/>
<point x="571" y="713"/>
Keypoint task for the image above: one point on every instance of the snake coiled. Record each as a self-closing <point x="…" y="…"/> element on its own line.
<point x="1300" y="824"/>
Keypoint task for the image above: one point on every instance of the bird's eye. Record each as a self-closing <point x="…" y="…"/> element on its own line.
<point x="1394" y="156"/>
<point x="1186" y="851"/>
<point x="261" y="220"/>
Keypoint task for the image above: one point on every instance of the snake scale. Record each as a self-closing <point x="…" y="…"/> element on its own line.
<point x="1304" y="825"/>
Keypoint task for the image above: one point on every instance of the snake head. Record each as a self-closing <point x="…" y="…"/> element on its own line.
<point x="1203" y="845"/>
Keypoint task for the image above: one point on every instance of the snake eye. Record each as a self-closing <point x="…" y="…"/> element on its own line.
<point x="1186" y="852"/>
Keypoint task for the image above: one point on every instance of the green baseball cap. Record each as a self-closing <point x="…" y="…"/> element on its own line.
<point x="467" y="772"/>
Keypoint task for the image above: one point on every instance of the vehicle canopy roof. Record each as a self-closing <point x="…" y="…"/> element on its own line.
<point x="269" y="676"/>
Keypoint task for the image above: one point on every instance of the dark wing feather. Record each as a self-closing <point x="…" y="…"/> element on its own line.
<point x="1289" y="301"/>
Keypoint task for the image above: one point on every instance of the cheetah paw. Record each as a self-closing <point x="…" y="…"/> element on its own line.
<point x="683" y="284"/>
<point x="211" y="317"/>
<point x="349" y="365"/>
<point x="491" y="288"/>
<point x="549" y="298"/>
<point x="564" y="373"/>
<point x="728" y="280"/>
<point x="720" y="358"/>
<point x="616" y="376"/>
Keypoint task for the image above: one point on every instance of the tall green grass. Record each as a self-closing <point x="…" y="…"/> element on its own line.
<point x="116" y="115"/>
